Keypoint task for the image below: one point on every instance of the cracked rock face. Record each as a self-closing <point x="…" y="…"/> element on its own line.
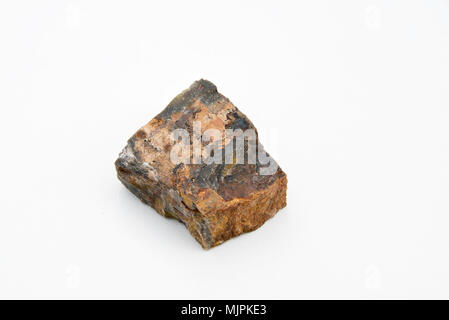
<point x="215" y="200"/>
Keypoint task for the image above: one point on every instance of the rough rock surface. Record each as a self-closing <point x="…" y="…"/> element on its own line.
<point x="214" y="201"/>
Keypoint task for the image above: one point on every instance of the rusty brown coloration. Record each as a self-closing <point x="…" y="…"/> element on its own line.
<point x="215" y="201"/>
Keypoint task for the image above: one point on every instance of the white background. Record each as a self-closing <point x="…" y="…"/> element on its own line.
<point x="350" y="97"/>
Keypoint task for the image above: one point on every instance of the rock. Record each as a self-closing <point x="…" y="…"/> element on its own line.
<point x="185" y="163"/>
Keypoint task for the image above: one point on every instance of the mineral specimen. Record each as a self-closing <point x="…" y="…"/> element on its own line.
<point x="217" y="179"/>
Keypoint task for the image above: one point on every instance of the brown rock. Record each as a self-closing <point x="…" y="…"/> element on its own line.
<point x="216" y="201"/>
